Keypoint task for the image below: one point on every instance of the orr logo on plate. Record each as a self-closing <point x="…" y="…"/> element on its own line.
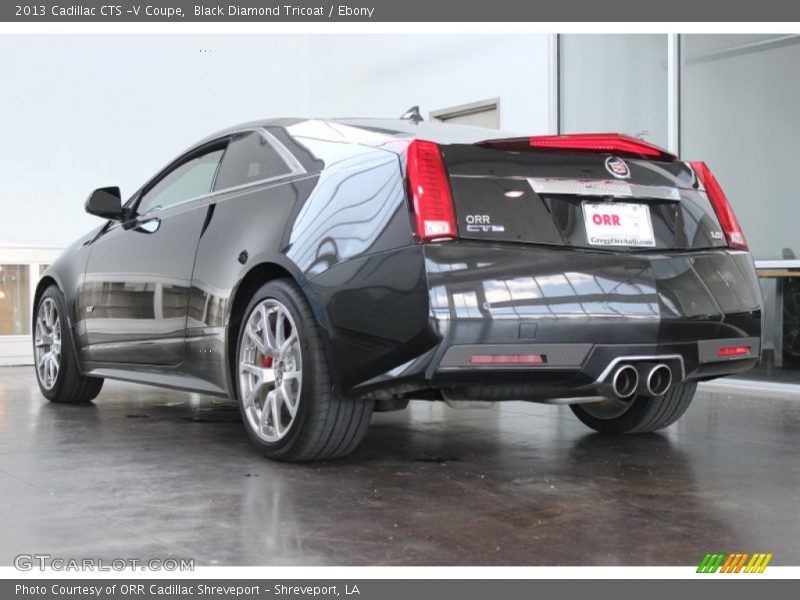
<point x="618" y="224"/>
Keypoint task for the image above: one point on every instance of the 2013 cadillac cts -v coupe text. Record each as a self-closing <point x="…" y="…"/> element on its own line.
<point x="319" y="270"/>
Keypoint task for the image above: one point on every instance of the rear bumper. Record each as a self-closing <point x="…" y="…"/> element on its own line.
<point x="582" y="311"/>
<point x="694" y="360"/>
<point x="587" y="376"/>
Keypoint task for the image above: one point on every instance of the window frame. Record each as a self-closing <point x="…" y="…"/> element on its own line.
<point x="196" y="152"/>
<point x="294" y="166"/>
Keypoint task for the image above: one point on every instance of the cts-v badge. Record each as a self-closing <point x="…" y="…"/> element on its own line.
<point x="482" y="223"/>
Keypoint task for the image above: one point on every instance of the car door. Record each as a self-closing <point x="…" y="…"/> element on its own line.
<point x="135" y="293"/>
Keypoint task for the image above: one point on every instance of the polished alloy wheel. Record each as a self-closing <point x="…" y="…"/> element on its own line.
<point x="47" y="343"/>
<point x="270" y="370"/>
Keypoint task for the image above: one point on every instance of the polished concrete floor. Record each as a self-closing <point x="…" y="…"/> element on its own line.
<point x="147" y="473"/>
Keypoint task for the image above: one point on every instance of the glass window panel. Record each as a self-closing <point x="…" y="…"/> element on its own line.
<point x="249" y="158"/>
<point x="739" y="113"/>
<point x="190" y="180"/>
<point x="614" y="83"/>
<point x="15" y="300"/>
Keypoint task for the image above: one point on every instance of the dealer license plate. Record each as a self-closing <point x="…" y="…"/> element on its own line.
<point x="618" y="224"/>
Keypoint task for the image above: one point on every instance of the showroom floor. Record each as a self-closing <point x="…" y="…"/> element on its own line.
<point x="148" y="473"/>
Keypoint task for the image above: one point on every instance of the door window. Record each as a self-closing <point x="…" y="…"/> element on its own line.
<point x="249" y="158"/>
<point x="191" y="179"/>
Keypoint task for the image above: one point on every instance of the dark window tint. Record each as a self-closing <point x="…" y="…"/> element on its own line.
<point x="250" y="157"/>
<point x="190" y="180"/>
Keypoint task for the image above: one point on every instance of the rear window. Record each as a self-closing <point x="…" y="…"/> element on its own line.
<point x="249" y="158"/>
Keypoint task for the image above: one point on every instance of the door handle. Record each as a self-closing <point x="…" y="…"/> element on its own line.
<point x="149" y="225"/>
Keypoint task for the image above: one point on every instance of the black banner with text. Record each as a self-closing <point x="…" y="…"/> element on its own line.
<point x="47" y="11"/>
<point x="391" y="589"/>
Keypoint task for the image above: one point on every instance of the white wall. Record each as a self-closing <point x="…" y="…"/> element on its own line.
<point x="78" y="112"/>
<point x="83" y="111"/>
<point x="741" y="114"/>
<point x="615" y="83"/>
<point x="379" y="75"/>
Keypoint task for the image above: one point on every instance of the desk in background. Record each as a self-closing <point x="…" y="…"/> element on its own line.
<point x="781" y="271"/>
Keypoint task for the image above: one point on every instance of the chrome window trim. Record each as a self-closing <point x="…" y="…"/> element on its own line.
<point x="295" y="169"/>
<point x="283" y="151"/>
<point x="147" y="215"/>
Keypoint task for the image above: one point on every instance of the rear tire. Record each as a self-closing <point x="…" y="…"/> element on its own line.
<point x="287" y="400"/>
<point x="56" y="365"/>
<point x="643" y="414"/>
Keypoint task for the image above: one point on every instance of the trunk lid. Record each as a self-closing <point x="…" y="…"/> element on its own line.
<point x="604" y="200"/>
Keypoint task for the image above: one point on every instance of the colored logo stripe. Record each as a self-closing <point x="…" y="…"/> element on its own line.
<point x="734" y="562"/>
<point x="758" y="563"/>
<point x="711" y="563"/>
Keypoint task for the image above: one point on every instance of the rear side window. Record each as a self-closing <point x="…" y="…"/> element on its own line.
<point x="249" y="158"/>
<point x="188" y="180"/>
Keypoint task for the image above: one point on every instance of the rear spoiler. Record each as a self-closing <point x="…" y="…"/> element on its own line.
<point x="589" y="142"/>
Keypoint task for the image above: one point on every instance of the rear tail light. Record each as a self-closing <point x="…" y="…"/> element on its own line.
<point x="733" y="351"/>
<point x="727" y="218"/>
<point x="600" y="142"/>
<point x="429" y="187"/>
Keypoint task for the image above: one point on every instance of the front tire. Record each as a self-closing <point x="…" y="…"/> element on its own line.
<point x="641" y="414"/>
<point x="56" y="365"/>
<point x="287" y="400"/>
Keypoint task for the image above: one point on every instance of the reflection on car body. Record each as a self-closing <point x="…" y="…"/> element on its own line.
<point x="318" y="270"/>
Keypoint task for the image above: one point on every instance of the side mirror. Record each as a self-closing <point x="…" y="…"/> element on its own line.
<point x="106" y="203"/>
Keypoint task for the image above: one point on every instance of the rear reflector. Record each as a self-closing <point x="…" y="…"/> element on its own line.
<point x="507" y="359"/>
<point x="733" y="351"/>
<point x="429" y="187"/>
<point x="600" y="142"/>
<point x="727" y="218"/>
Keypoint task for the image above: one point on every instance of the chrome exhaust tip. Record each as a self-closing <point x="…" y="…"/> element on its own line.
<point x="625" y="381"/>
<point x="658" y="379"/>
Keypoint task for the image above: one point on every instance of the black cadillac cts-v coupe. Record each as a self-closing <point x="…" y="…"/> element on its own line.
<point x="317" y="270"/>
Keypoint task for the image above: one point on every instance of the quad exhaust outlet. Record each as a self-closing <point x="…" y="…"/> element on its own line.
<point x="624" y="381"/>
<point x="655" y="379"/>
<point x="646" y="379"/>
